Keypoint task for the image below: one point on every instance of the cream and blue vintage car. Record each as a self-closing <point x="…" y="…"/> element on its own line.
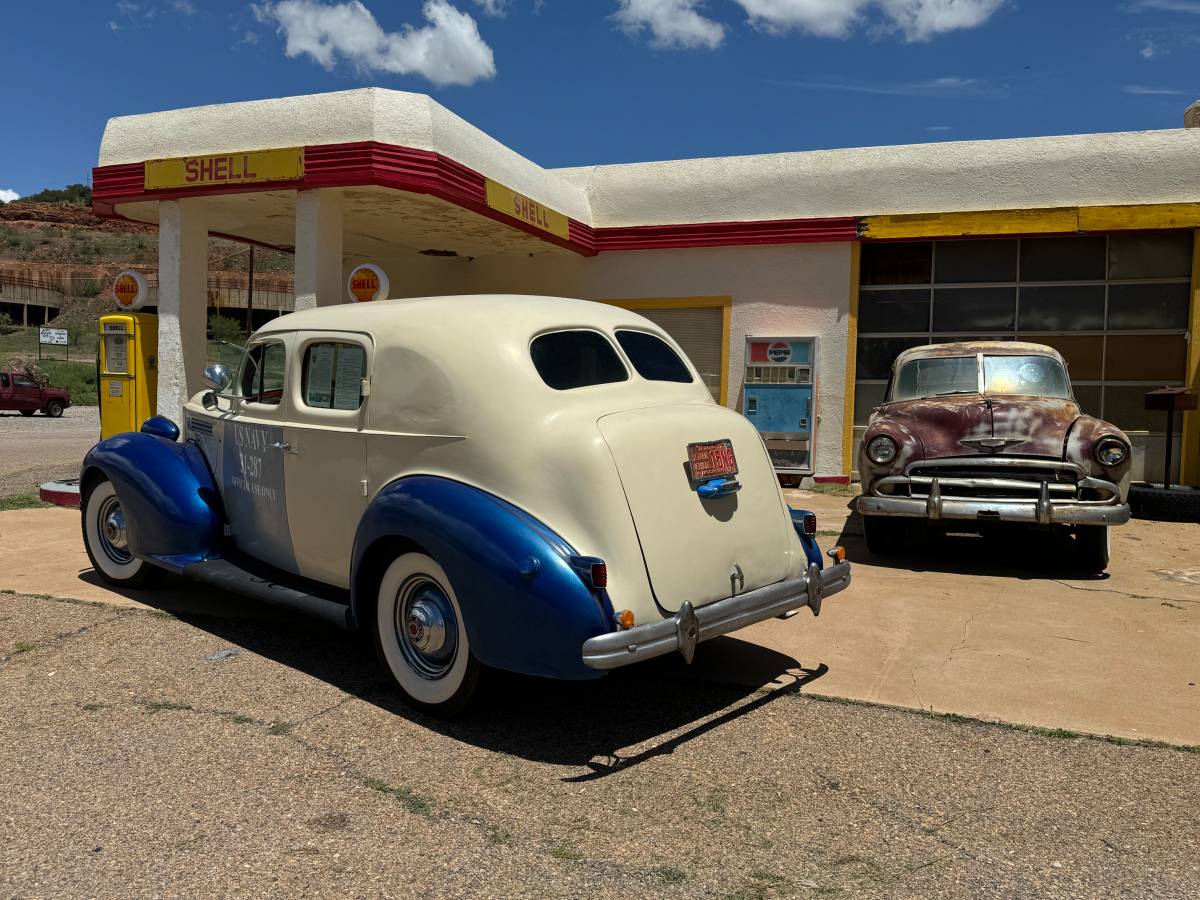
<point x="526" y="483"/>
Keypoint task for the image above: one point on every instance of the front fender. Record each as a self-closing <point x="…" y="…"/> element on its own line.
<point x="909" y="448"/>
<point x="172" y="506"/>
<point x="530" y="623"/>
<point x="1080" y="447"/>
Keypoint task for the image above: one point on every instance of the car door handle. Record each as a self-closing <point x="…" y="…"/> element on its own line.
<point x="281" y="445"/>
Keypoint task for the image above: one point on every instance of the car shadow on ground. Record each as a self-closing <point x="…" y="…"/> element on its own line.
<point x="1006" y="551"/>
<point x="606" y="725"/>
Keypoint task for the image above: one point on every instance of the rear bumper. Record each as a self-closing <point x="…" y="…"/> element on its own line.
<point x="690" y="625"/>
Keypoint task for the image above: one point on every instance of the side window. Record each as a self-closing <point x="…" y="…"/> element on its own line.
<point x="333" y="375"/>
<point x="653" y="357"/>
<point x="3" y="379"/>
<point x="22" y="381"/>
<point x="263" y="371"/>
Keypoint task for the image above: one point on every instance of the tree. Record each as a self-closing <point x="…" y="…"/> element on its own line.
<point x="72" y="194"/>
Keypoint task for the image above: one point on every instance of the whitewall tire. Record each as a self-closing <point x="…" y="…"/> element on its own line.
<point x="421" y="636"/>
<point x="106" y="539"/>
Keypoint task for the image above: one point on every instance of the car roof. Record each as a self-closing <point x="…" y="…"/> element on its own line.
<point x="970" y="348"/>
<point x="497" y="316"/>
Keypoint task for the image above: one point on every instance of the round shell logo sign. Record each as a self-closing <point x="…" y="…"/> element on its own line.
<point x="367" y="282"/>
<point x="129" y="290"/>
<point x="779" y="352"/>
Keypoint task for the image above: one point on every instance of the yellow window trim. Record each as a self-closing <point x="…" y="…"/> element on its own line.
<point x="1189" y="458"/>
<point x="1061" y="220"/>
<point x="851" y="363"/>
<point x="633" y="304"/>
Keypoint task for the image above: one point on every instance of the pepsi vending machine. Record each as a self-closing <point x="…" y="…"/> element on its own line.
<point x="779" y="398"/>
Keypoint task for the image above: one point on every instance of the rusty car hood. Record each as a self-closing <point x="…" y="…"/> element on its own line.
<point x="968" y="424"/>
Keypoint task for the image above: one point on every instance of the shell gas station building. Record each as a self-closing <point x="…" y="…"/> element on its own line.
<point x="792" y="280"/>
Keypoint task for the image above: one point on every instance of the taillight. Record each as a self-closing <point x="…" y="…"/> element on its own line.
<point x="810" y="525"/>
<point x="599" y="576"/>
<point x="592" y="571"/>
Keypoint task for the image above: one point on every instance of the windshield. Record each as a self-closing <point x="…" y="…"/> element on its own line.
<point x="1035" y="376"/>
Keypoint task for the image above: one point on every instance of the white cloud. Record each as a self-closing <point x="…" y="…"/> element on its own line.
<point x="1141" y="90"/>
<point x="494" y="7"/>
<point x="672" y="23"/>
<point x="917" y="20"/>
<point x="933" y="87"/>
<point x="448" y="50"/>
<point x="184" y="7"/>
<point x="1183" y="6"/>
<point x="8" y="196"/>
<point x="938" y="128"/>
<point x="1149" y="50"/>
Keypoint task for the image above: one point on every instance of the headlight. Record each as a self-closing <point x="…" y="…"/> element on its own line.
<point x="1111" y="451"/>
<point x="881" y="450"/>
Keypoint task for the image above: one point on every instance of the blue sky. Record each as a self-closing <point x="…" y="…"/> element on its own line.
<point x="572" y="82"/>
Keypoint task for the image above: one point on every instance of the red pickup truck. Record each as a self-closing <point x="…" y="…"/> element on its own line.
<point x="20" y="392"/>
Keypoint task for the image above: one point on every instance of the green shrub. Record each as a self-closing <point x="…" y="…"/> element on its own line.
<point x="7" y="326"/>
<point x="225" y="328"/>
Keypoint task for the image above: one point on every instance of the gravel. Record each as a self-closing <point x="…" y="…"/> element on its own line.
<point x="36" y="449"/>
<point x="132" y="765"/>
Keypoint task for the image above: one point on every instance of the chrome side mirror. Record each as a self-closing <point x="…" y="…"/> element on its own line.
<point x="217" y="377"/>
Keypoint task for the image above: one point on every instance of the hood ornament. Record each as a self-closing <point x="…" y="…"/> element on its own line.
<point x="992" y="444"/>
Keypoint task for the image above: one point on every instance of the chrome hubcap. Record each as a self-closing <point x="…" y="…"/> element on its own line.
<point x="426" y="627"/>
<point x="114" y="540"/>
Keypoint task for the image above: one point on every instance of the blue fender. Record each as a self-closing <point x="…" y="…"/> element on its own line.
<point x="812" y="550"/>
<point x="171" y="502"/>
<point x="525" y="608"/>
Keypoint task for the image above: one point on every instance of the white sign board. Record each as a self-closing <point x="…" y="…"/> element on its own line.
<point x="57" y="336"/>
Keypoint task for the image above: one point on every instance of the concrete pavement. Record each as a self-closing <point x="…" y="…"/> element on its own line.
<point x="1006" y="632"/>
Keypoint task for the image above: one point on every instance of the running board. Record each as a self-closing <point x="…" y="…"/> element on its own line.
<point x="223" y="574"/>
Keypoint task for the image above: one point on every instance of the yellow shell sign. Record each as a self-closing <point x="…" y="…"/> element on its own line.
<point x="250" y="167"/>
<point x="367" y="282"/>
<point x="129" y="290"/>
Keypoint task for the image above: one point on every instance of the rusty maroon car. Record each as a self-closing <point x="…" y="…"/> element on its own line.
<point x="989" y="432"/>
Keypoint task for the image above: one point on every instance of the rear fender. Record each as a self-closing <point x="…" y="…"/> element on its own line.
<point x="526" y="609"/>
<point x="172" y="506"/>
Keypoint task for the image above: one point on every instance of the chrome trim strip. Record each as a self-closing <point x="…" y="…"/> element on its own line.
<point x="621" y="648"/>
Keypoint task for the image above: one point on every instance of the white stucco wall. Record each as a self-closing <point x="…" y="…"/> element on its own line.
<point x="794" y="290"/>
<point x="367" y="114"/>
<point x="1079" y="170"/>
<point x="1075" y="170"/>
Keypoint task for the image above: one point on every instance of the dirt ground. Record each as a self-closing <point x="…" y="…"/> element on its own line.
<point x="147" y="754"/>
<point x="38" y="449"/>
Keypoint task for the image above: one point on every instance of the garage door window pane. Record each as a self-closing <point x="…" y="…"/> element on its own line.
<point x="971" y="309"/>
<point x="876" y="355"/>
<point x="1148" y="306"/>
<point x="1063" y="259"/>
<point x="866" y="398"/>
<point x="893" y="310"/>
<point x="1125" y="407"/>
<point x="1146" y="357"/>
<point x="968" y="261"/>
<point x="1163" y="254"/>
<point x="1073" y="308"/>
<point x="1088" y="398"/>
<point x="900" y="263"/>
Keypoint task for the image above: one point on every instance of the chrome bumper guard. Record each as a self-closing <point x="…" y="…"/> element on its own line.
<point x="1042" y="509"/>
<point x="691" y="625"/>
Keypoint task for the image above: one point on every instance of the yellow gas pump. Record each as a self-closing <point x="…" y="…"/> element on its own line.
<point x="128" y="371"/>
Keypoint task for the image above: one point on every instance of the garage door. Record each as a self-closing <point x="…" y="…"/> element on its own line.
<point x="699" y="331"/>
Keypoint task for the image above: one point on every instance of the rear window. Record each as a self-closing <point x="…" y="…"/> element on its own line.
<point x="653" y="357"/>
<point x="573" y="359"/>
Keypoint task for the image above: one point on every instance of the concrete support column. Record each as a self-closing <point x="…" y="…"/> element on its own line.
<point x="182" y="302"/>
<point x="319" y="248"/>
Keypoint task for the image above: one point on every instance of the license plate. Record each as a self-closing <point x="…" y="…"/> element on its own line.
<point x="711" y="459"/>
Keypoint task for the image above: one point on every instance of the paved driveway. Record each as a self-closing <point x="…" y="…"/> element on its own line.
<point x="997" y="631"/>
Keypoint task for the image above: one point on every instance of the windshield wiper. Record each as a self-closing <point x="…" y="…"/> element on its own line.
<point x="948" y="393"/>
